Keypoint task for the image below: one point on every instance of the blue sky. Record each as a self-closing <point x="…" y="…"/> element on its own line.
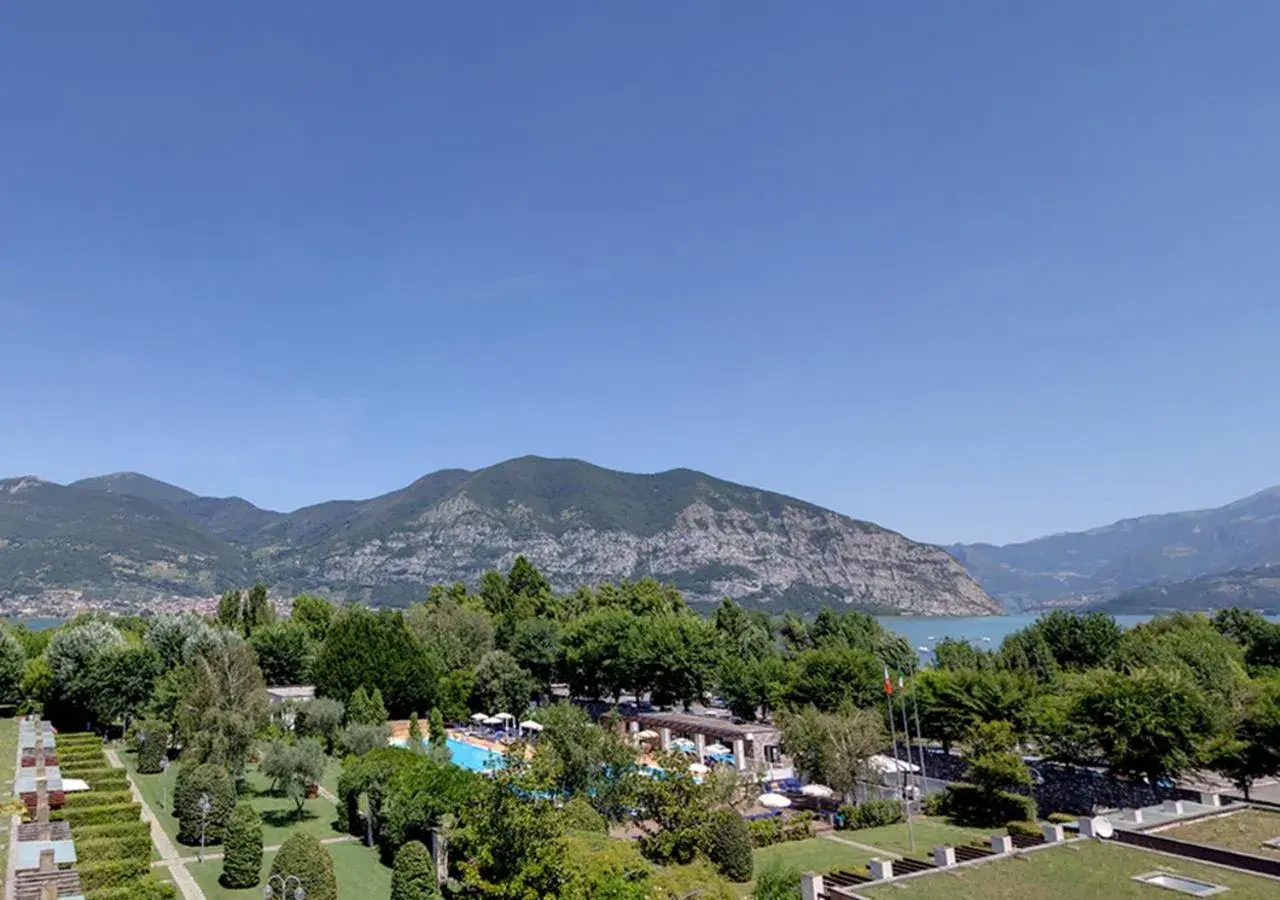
<point x="975" y="271"/>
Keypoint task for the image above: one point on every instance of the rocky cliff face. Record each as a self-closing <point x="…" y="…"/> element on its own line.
<point x="578" y="523"/>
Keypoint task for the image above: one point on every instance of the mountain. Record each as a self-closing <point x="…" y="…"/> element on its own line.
<point x="1099" y="564"/>
<point x="1257" y="589"/>
<point x="129" y="540"/>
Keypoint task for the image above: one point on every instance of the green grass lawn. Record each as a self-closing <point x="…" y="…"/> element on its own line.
<point x="8" y="761"/>
<point x="278" y="813"/>
<point x="929" y="833"/>
<point x="812" y="855"/>
<point x="332" y="769"/>
<point x="359" y="871"/>
<point x="1087" y="869"/>
<point x="1244" y="831"/>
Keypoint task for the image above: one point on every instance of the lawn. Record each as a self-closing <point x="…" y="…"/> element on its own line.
<point x="1244" y="831"/>
<point x="8" y="759"/>
<point x="813" y="855"/>
<point x="929" y="833"/>
<point x="332" y="769"/>
<point x="1085" y="869"/>
<point x="278" y="813"/>
<point x="360" y="874"/>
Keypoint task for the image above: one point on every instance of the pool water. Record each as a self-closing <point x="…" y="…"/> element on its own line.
<point x="477" y="759"/>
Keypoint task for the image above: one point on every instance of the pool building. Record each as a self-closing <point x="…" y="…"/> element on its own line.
<point x="756" y="748"/>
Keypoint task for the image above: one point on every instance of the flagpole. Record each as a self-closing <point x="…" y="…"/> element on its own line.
<point x="897" y="775"/>
<point x="915" y="702"/>
<point x="906" y="776"/>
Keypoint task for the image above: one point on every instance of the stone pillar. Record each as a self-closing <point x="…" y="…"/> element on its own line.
<point x="1053" y="833"/>
<point x="1137" y="816"/>
<point x="740" y="754"/>
<point x="811" y="887"/>
<point x="634" y="726"/>
<point x="881" y="869"/>
<point x="944" y="857"/>
<point x="46" y="861"/>
<point x="664" y="738"/>
<point x="49" y="891"/>
<point x="700" y="745"/>
<point x="1210" y="798"/>
<point x="1001" y="843"/>
<point x="1086" y="827"/>
<point x="1172" y="806"/>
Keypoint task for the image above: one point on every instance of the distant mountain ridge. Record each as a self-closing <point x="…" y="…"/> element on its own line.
<point x="127" y="539"/>
<point x="1256" y="589"/>
<point x="1094" y="566"/>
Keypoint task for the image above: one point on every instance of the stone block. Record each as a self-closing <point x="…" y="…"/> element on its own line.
<point x="1210" y="798"/>
<point x="811" y="887"/>
<point x="1172" y="806"/>
<point x="881" y="869"/>
<point x="1001" y="843"/>
<point x="944" y="856"/>
<point x="1052" y="833"/>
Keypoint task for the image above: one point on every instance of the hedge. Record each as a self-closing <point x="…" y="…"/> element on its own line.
<point x="775" y="830"/>
<point x="728" y="846"/>
<point x="96" y="772"/>
<point x="971" y="806"/>
<point x="1023" y="829"/>
<point x="97" y="815"/>
<point x="113" y="873"/>
<point x="870" y="814"/>
<point x="146" y="889"/>
<point x="113" y="829"/>
<point x="119" y="848"/>
<point x="85" y="799"/>
<point x="1063" y="818"/>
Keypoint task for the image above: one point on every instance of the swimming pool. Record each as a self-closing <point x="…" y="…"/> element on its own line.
<point x="477" y="759"/>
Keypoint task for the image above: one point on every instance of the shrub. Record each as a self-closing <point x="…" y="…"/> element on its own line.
<point x="972" y="806"/>
<point x="243" y="860"/>
<point x="102" y="776"/>
<point x="414" y="877"/>
<point x="765" y="832"/>
<point x="305" y="857"/>
<point x="146" y="889"/>
<point x="96" y="798"/>
<point x="871" y="814"/>
<point x="153" y="744"/>
<point x="778" y="882"/>
<point x="579" y="815"/>
<point x="1024" y="829"/>
<point x="1063" y="818"/>
<point x="321" y="718"/>
<point x="112" y="829"/>
<point x="113" y="873"/>
<point x="798" y="827"/>
<point x="359" y="739"/>
<point x="728" y="846"/>
<point x="97" y="815"/>
<point x="215" y="782"/>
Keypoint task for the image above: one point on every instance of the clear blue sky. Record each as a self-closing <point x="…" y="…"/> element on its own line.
<point x="975" y="271"/>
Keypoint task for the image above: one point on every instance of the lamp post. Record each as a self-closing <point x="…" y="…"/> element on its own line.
<point x="283" y="881"/>
<point x="205" y="807"/>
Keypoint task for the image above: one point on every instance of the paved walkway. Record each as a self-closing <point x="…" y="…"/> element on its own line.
<point x="170" y="857"/>
<point x="876" y="850"/>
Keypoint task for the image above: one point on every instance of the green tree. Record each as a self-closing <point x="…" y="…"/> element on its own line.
<point x="416" y="743"/>
<point x="194" y="785"/>
<point x="456" y="635"/>
<point x="536" y="647"/>
<point x="284" y="653"/>
<point x="1028" y="651"/>
<point x="305" y="858"/>
<point x="294" y="769"/>
<point x="599" y="655"/>
<point x="577" y="758"/>
<point x="153" y="746"/>
<point x="777" y="881"/>
<point x="257" y="611"/>
<point x="501" y="685"/>
<point x="953" y="655"/>
<point x="376" y="650"/>
<point x="366" y="709"/>
<point x="830" y="678"/>
<point x="993" y="764"/>
<point x="312" y="614"/>
<point x="71" y="656"/>
<point x="175" y="636"/>
<point x="242" y="860"/>
<point x="123" y="678"/>
<point x="321" y="718"/>
<point x="953" y="701"/>
<point x="229" y="610"/>
<point x="833" y="748"/>
<point x="728" y="846"/>
<point x="358" y="739"/>
<point x="509" y="841"/>
<point x="13" y="665"/>
<point x="435" y="723"/>
<point x="1250" y="750"/>
<point x="1079" y="641"/>
<point x="673" y="813"/>
<point x="673" y="657"/>
<point x="414" y="876"/>
<point x="225" y="705"/>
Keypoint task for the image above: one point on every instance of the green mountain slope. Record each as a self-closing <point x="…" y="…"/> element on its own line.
<point x="578" y="522"/>
<point x="1257" y="589"/>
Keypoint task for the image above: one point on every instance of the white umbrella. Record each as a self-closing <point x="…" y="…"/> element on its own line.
<point x="479" y="717"/>
<point x="646" y="735"/>
<point x="684" y="744"/>
<point x="718" y="749"/>
<point x="698" y="769"/>
<point x="774" y="801"/>
<point x="504" y="716"/>
<point x="530" y="725"/>
<point x="817" y="790"/>
<point x="492" y="720"/>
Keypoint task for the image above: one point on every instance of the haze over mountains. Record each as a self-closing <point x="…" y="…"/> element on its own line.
<point x="127" y="540"/>
<point x="1200" y="559"/>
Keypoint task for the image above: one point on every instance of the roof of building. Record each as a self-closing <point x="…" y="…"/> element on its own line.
<point x="292" y="692"/>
